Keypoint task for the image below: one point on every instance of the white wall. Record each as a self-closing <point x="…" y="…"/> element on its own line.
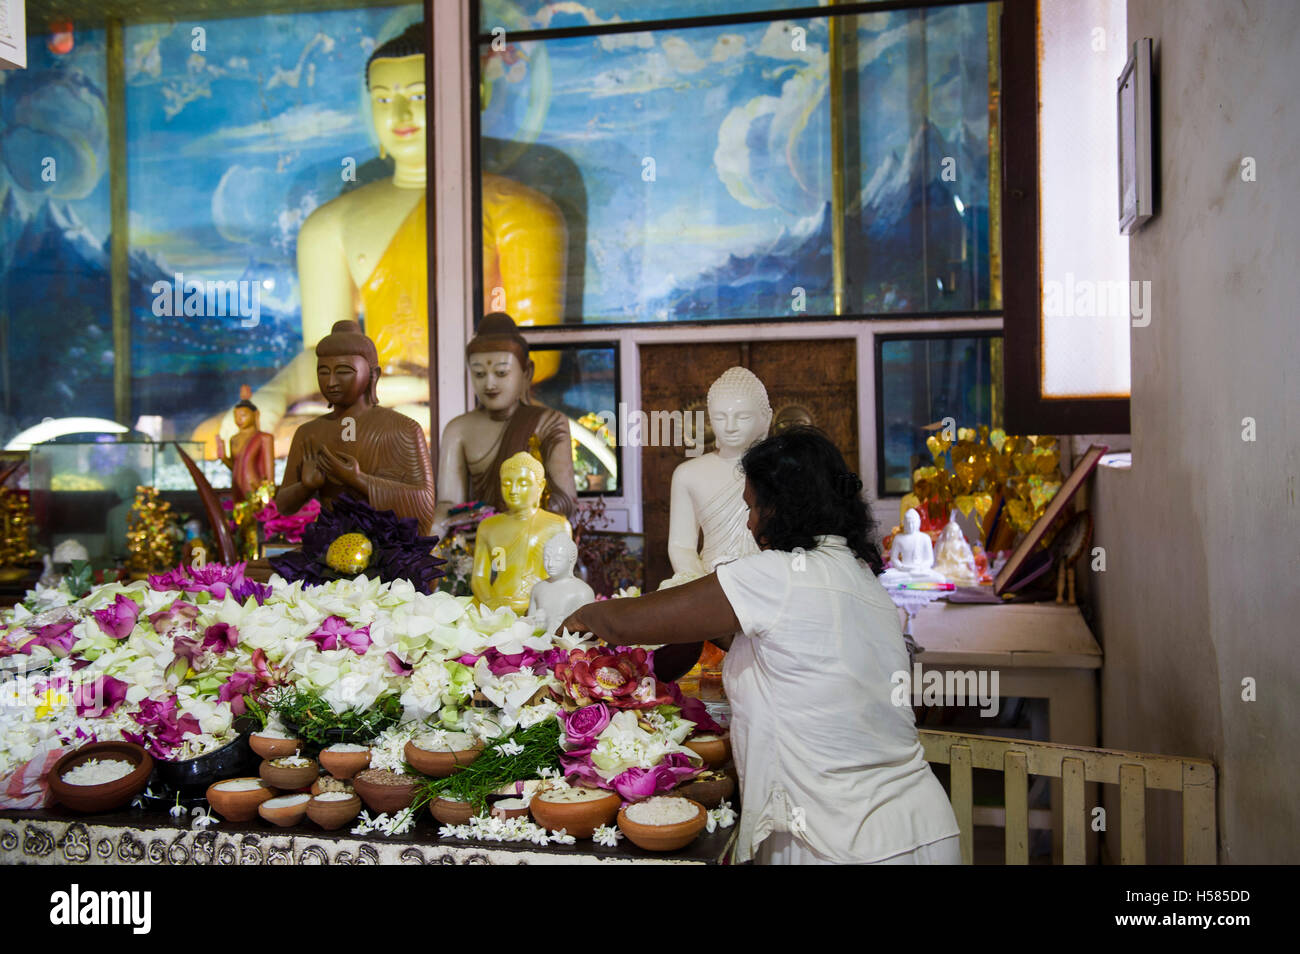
<point x="1202" y="536"/>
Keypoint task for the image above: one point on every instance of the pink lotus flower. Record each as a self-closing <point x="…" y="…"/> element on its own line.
<point x="335" y="633"/>
<point x="56" y="637"/>
<point x="180" y="615"/>
<point x="638" y="782"/>
<point x="99" y="698"/>
<point x="291" y="526"/>
<point x="500" y="664"/>
<point x="164" y="731"/>
<point x="623" y="679"/>
<point x="234" y="689"/>
<point x="396" y="666"/>
<point x="582" y="726"/>
<point x="214" y="578"/>
<point x="220" y="637"/>
<point x="118" y="620"/>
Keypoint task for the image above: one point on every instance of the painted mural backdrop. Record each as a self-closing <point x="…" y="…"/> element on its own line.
<point x="703" y="157"/>
<point x="237" y="129"/>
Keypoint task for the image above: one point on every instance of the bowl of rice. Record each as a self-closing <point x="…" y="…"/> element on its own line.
<point x="662" y="822"/>
<point x="578" y="810"/>
<point x="100" y="777"/>
<point x="443" y="754"/>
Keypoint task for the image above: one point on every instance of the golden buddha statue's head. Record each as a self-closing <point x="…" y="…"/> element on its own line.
<point x="396" y="83"/>
<point x="347" y="366"/>
<point x="499" y="365"/>
<point x="522" y="480"/>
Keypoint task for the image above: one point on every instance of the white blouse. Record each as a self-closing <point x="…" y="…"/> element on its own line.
<point x="822" y="751"/>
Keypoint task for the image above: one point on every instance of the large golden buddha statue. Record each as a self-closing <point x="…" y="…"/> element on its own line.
<point x="358" y="448"/>
<point x="476" y="445"/>
<point x="363" y="256"/>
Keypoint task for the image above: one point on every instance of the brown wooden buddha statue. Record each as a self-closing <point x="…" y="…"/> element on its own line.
<point x="476" y="444"/>
<point x="358" y="448"/>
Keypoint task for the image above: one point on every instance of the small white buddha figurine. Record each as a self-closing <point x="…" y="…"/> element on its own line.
<point x="953" y="556"/>
<point x="555" y="597"/>
<point x="708" y="492"/>
<point x="911" y="556"/>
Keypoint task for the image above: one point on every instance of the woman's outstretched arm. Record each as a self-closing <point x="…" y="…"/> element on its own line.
<point x="689" y="613"/>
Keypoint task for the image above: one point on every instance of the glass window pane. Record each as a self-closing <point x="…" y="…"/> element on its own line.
<point x="56" y="330"/>
<point x="696" y="168"/>
<point x="548" y="15"/>
<point x="918" y="95"/>
<point x="923" y="380"/>
<point x="273" y="126"/>
<point x="585" y="389"/>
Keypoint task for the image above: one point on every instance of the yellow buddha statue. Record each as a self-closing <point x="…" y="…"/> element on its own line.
<point x="509" y="546"/>
<point x="363" y="256"/>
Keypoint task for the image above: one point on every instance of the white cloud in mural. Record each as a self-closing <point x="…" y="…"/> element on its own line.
<point x="779" y="43"/>
<point x="758" y="156"/>
<point x="293" y="76"/>
<point x="726" y="47"/>
<point x="681" y="57"/>
<point x="297" y="126"/>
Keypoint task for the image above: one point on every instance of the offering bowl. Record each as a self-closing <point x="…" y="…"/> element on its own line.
<point x="663" y="837"/>
<point x="451" y="812"/>
<point x="238" y="805"/>
<point x="714" y="750"/>
<point x="270" y="747"/>
<point x="385" y="791"/>
<point x="579" y="819"/>
<point x="290" y="810"/>
<point x="440" y="764"/>
<point x="110" y="795"/>
<point x="332" y="814"/>
<point x="288" y="777"/>
<point x="344" y="765"/>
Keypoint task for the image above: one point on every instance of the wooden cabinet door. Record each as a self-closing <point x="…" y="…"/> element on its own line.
<point x="819" y="375"/>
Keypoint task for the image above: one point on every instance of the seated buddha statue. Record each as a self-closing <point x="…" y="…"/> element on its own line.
<point x="358" y="448"/>
<point x="911" y="555"/>
<point x="954" y="559"/>
<point x="476" y="444"/>
<point x="554" y="598"/>
<point x="707" y="493"/>
<point x="363" y="255"/>
<point x="509" y="547"/>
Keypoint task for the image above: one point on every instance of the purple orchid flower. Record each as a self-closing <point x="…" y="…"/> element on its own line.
<point x="99" y="698"/>
<point x="220" y="637"/>
<point x="335" y="633"/>
<point x="118" y="620"/>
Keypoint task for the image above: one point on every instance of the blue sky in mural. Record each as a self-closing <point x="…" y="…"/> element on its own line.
<point x="705" y="157"/>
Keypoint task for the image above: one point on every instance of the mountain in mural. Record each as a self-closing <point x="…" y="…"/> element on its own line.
<point x="58" y="318"/>
<point x="909" y="246"/>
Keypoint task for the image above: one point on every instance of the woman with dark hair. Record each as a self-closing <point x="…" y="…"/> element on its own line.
<point x="831" y="768"/>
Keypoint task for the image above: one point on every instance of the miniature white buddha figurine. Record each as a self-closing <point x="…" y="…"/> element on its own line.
<point x="708" y="492"/>
<point x="555" y="597"/>
<point x="954" y="559"/>
<point x="911" y="557"/>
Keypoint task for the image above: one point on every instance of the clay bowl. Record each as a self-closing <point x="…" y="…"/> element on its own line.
<point x="715" y="752"/>
<point x="662" y="837"/>
<point x="322" y="785"/>
<point x="289" y="813"/>
<point x="440" y="764"/>
<point x="290" y="778"/>
<point x="709" y="792"/>
<point x="579" y="819"/>
<point x="333" y="814"/>
<point x="110" y="795"/>
<point x="344" y="765"/>
<point x="269" y="747"/>
<point x="509" y="808"/>
<point x="451" y="813"/>
<point x="238" y="806"/>
<point x="383" y="798"/>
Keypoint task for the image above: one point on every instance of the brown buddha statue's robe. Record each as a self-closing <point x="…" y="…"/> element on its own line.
<point x="393" y="456"/>
<point x="552" y="431"/>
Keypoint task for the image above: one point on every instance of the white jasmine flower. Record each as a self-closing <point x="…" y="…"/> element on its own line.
<point x="607" y="836"/>
<point x="721" y="817"/>
<point x="509" y="747"/>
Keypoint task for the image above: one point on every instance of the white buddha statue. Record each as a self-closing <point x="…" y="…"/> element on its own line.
<point x="911" y="556"/>
<point x="555" y="597"/>
<point x="708" y="492"/>
<point x="954" y="559"/>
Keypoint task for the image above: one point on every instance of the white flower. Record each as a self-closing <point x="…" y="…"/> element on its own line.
<point x="607" y="836"/>
<point x="202" y="818"/>
<point x="509" y="747"/>
<point x="721" y="817"/>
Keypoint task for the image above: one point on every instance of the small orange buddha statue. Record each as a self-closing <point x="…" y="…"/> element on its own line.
<point x="252" y="451"/>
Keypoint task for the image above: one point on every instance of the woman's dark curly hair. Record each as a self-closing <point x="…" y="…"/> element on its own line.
<point x="803" y="489"/>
